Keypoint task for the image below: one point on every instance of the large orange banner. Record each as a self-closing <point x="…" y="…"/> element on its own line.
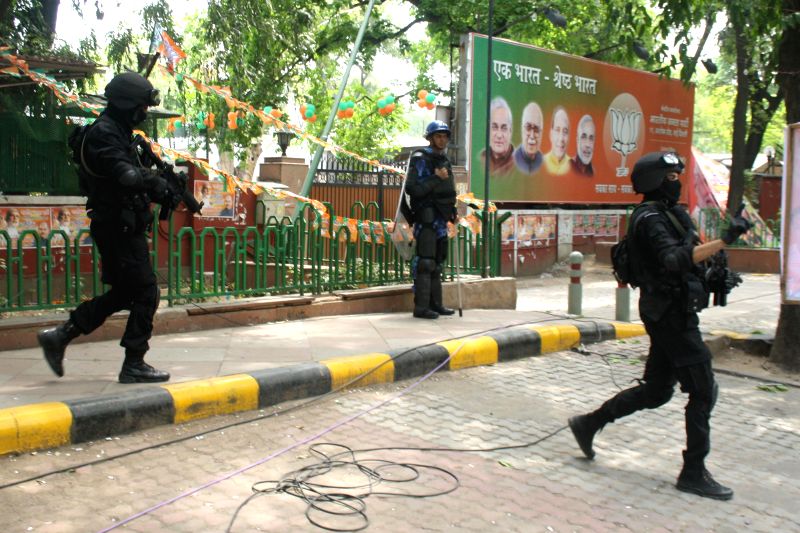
<point x="565" y="129"/>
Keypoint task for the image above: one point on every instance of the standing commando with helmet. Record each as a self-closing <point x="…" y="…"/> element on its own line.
<point x="431" y="188"/>
<point x="119" y="191"/>
<point x="668" y="258"/>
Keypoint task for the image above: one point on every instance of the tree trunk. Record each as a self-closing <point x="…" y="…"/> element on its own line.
<point x="50" y="16"/>
<point x="758" y="126"/>
<point x="227" y="163"/>
<point x="736" y="188"/>
<point x="247" y="167"/>
<point x="786" y="349"/>
<point x="5" y="6"/>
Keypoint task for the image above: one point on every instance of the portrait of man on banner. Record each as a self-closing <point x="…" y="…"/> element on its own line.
<point x="217" y="201"/>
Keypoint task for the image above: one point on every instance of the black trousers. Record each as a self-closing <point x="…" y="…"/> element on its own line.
<point x="126" y="268"/>
<point x="670" y="339"/>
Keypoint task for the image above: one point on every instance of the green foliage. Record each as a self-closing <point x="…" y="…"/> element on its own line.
<point x="367" y="133"/>
<point x="713" y="115"/>
<point x="125" y="43"/>
<point x="28" y="26"/>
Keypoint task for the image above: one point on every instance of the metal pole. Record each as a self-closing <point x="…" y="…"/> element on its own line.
<point x="458" y="275"/>
<point x="487" y="151"/>
<point x="328" y="125"/>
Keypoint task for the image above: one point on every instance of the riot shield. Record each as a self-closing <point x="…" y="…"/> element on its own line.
<point x="401" y="230"/>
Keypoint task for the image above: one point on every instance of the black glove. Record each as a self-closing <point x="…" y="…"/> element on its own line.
<point x="738" y="227"/>
<point x="155" y="185"/>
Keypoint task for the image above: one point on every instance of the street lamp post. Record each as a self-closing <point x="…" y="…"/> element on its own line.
<point x="487" y="151"/>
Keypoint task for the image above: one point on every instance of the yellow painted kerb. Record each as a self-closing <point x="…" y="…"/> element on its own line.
<point x="471" y="352"/>
<point x="209" y="397"/>
<point x="624" y="330"/>
<point x="559" y="337"/>
<point x="378" y="367"/>
<point x="33" y="427"/>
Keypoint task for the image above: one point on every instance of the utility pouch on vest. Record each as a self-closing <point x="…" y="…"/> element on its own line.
<point x="695" y="295"/>
<point x="127" y="221"/>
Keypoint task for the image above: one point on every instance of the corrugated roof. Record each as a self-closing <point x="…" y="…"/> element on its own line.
<point x="56" y="67"/>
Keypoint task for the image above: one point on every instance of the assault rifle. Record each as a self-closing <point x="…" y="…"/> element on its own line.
<point x="176" y="191"/>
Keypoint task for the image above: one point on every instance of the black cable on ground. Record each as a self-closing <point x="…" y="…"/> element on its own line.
<point x="347" y="503"/>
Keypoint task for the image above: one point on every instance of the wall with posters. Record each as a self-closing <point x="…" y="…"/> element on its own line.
<point x="531" y="239"/>
<point x="565" y="129"/>
<point x="528" y="243"/>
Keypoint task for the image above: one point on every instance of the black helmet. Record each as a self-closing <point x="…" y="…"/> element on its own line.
<point x="650" y="170"/>
<point x="130" y="90"/>
<point x="437" y="126"/>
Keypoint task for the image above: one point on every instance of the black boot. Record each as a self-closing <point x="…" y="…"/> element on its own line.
<point x="436" y="297"/>
<point x="54" y="341"/>
<point x="425" y="313"/>
<point x="584" y="427"/>
<point x="442" y="310"/>
<point x="702" y="484"/>
<point x="135" y="370"/>
<point x="422" y="295"/>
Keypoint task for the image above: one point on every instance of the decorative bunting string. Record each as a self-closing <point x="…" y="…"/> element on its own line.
<point x="365" y="231"/>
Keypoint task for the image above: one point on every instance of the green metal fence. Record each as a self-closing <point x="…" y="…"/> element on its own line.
<point x="280" y="257"/>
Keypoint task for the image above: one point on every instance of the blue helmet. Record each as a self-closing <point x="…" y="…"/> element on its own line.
<point x="437" y="126"/>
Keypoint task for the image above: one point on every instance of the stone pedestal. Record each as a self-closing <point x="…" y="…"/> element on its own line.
<point x="291" y="171"/>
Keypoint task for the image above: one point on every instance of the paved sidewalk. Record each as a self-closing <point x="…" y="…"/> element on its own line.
<point x="92" y="368"/>
<point x="547" y="487"/>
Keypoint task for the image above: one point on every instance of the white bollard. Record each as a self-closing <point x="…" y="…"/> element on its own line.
<point x="575" y="288"/>
<point x="623" y="312"/>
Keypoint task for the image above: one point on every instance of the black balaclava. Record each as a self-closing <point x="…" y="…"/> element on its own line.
<point x="129" y="117"/>
<point x="669" y="192"/>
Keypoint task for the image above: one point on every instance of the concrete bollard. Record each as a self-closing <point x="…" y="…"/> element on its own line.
<point x="623" y="312"/>
<point x="575" y="287"/>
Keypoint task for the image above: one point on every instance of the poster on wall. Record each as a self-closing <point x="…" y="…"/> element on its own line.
<point x="508" y="230"/>
<point x="568" y="129"/>
<point x="217" y="202"/>
<point x="529" y="229"/>
<point x="790" y="244"/>
<point x="69" y="219"/>
<point x="17" y="220"/>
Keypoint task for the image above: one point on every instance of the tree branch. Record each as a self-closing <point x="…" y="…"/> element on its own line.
<point x="690" y="69"/>
<point x="398" y="33"/>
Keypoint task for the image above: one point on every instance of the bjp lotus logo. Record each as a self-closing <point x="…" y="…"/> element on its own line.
<point x="623" y="131"/>
<point x="625" y="126"/>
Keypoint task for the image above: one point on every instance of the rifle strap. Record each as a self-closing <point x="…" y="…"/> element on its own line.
<point x="672" y="218"/>
<point x="83" y="159"/>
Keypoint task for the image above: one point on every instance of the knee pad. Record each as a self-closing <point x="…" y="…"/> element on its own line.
<point x="437" y="272"/>
<point x="426" y="242"/>
<point x="426" y="266"/>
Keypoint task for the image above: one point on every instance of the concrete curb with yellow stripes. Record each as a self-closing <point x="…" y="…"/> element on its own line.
<point x="46" y="425"/>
